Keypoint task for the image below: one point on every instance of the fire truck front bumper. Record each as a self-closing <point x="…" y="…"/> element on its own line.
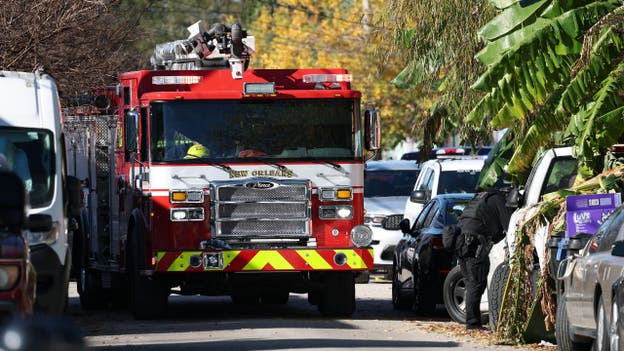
<point x="277" y="260"/>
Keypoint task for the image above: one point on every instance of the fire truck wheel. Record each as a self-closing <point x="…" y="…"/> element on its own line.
<point x="148" y="297"/>
<point x="279" y="297"/>
<point x="338" y="295"/>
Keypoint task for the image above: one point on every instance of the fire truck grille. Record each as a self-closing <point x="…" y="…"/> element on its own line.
<point x="297" y="210"/>
<point x="283" y="193"/>
<point x="255" y="228"/>
<point x="262" y="209"/>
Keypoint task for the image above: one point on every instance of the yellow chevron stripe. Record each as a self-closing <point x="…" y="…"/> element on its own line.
<point x="353" y="259"/>
<point x="159" y="256"/>
<point x="313" y="259"/>
<point x="263" y="257"/>
<point x="182" y="262"/>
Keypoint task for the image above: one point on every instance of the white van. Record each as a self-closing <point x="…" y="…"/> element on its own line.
<point x="32" y="145"/>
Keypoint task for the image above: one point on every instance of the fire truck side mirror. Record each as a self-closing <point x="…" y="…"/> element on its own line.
<point x="131" y="124"/>
<point x="372" y="129"/>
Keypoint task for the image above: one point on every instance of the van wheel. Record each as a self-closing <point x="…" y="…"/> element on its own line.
<point x="496" y="291"/>
<point x="454" y="294"/>
<point x="338" y="294"/>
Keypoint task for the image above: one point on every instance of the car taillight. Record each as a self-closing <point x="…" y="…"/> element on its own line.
<point x="436" y="242"/>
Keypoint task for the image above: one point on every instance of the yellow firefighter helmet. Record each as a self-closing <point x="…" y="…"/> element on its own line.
<point x="197" y="151"/>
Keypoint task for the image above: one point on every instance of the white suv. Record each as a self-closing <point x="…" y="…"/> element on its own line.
<point x="386" y="186"/>
<point x="443" y="176"/>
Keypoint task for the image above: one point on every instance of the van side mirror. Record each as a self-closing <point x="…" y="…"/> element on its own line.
<point x="372" y="129"/>
<point x="75" y="202"/>
<point x="418" y="196"/>
<point x="404" y="225"/>
<point x="618" y="248"/>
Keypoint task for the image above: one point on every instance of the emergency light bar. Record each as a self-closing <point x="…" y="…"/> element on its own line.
<point x="327" y="78"/>
<point x="170" y="80"/>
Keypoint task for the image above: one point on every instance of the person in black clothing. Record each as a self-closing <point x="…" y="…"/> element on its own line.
<point x="483" y="222"/>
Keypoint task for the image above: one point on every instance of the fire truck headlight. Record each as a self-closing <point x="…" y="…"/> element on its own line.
<point x="333" y="212"/>
<point x="187" y="214"/>
<point x="345" y="212"/>
<point x="361" y="236"/>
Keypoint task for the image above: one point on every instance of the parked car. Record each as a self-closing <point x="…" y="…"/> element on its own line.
<point x="17" y="273"/>
<point x="584" y="303"/>
<point x="421" y="263"/>
<point x="443" y="176"/>
<point x="617" y="316"/>
<point x="386" y="186"/>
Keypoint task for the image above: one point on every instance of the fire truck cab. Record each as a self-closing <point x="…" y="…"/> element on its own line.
<point x="224" y="181"/>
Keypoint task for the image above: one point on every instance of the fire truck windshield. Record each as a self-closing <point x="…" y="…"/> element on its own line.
<point x="233" y="130"/>
<point x="29" y="153"/>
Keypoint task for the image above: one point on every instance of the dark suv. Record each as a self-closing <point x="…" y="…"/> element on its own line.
<point x="420" y="262"/>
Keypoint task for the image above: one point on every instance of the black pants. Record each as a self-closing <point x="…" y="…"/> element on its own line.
<point x="475" y="274"/>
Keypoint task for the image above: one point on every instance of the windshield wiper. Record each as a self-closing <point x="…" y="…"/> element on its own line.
<point x="336" y="166"/>
<point x="206" y="160"/>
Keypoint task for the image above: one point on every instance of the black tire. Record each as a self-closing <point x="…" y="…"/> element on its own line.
<point x="148" y="297"/>
<point x="338" y="294"/>
<point x="454" y="294"/>
<point x="562" y="327"/>
<point x="602" y="328"/>
<point x="496" y="292"/>
<point x="90" y="290"/>
<point x="279" y="297"/>
<point x="399" y="300"/>
<point x="362" y="277"/>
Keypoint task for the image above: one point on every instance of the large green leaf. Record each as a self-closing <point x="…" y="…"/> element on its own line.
<point x="520" y="13"/>
<point x="538" y="136"/>
<point x="531" y="50"/>
<point x="493" y="50"/>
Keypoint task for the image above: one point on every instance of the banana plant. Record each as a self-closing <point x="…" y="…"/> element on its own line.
<point x="531" y="49"/>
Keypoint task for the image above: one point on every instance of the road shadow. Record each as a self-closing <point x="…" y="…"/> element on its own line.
<point x="286" y="344"/>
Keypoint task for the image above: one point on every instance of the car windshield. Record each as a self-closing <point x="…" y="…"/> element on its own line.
<point x="458" y="181"/>
<point x="278" y="129"/>
<point x="29" y="153"/>
<point x="389" y="183"/>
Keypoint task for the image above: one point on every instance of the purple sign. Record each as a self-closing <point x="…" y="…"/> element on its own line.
<point x="585" y="213"/>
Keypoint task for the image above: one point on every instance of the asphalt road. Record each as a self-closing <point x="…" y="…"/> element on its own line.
<point x="215" y="323"/>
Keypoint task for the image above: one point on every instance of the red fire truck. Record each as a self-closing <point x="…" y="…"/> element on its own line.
<point x="203" y="177"/>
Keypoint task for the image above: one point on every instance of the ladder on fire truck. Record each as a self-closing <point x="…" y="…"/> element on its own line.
<point x="219" y="47"/>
